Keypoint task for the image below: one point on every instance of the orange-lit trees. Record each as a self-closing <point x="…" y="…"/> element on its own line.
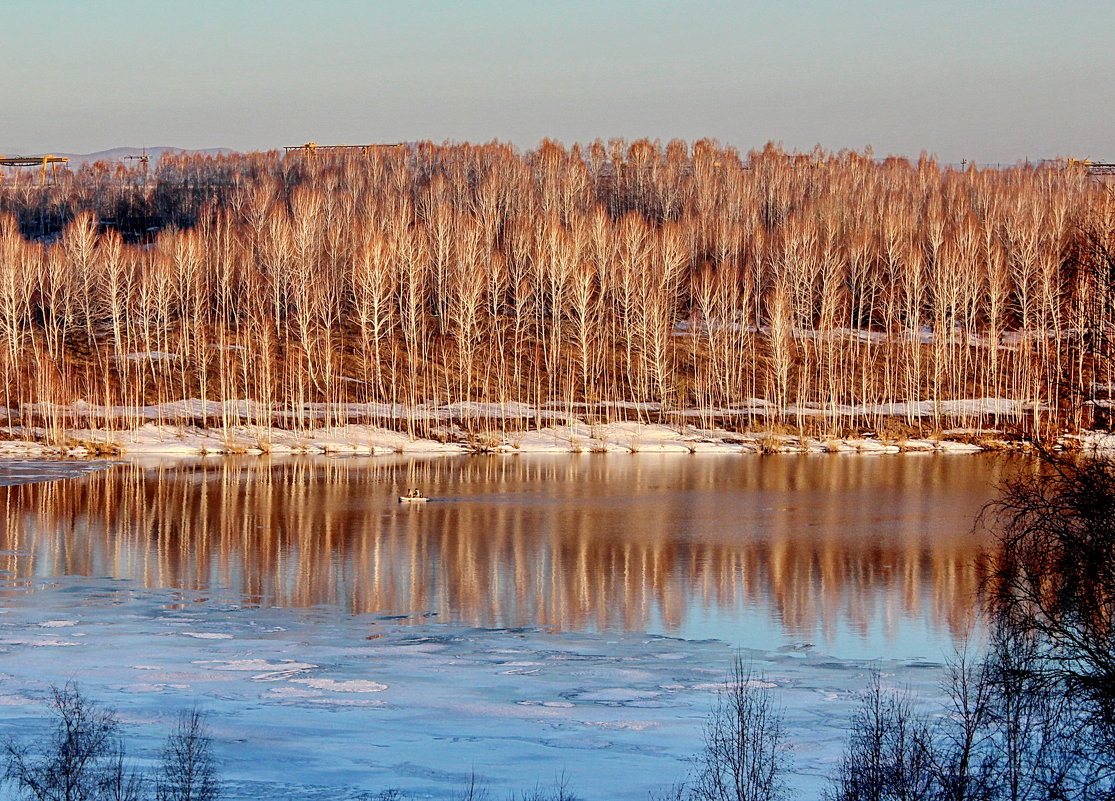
<point x="281" y="288"/>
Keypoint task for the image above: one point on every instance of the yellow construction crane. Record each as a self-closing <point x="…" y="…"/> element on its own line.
<point x="32" y="161"/>
<point x="1094" y="167"/>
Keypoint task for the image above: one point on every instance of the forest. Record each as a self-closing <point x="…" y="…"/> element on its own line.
<point x="820" y="292"/>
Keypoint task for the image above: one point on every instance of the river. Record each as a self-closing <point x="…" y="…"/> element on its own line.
<point x="565" y="611"/>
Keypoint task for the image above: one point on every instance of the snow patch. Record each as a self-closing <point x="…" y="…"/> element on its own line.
<point x="616" y="695"/>
<point x="350" y="686"/>
<point x="264" y="669"/>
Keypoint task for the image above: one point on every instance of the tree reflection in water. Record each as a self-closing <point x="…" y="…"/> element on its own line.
<point x="586" y="542"/>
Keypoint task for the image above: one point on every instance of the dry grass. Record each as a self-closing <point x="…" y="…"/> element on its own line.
<point x="94" y="448"/>
<point x="772" y="443"/>
<point x="479" y="443"/>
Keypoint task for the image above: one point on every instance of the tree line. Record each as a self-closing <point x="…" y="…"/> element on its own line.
<point x="820" y="291"/>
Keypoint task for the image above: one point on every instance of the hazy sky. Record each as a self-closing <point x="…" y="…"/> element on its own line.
<point x="989" y="80"/>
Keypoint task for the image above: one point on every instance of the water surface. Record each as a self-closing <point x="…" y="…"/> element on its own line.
<point x="858" y="555"/>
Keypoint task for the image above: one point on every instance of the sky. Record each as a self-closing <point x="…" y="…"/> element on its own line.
<point x="984" y="80"/>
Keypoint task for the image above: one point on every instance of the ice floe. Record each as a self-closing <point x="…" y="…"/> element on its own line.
<point x="303" y="705"/>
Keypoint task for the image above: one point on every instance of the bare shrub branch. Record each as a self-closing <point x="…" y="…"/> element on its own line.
<point x="746" y="755"/>
<point x="188" y="770"/>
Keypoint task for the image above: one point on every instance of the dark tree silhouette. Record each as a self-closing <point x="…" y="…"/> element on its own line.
<point x="83" y="759"/>
<point x="188" y="771"/>
<point x="745" y="756"/>
<point x="1052" y="587"/>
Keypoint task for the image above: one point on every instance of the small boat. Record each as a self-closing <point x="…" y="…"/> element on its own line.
<point x="412" y="499"/>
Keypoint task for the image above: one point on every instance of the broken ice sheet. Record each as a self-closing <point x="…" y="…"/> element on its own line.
<point x="298" y="708"/>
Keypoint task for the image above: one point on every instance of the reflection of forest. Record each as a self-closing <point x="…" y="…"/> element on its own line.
<point x="602" y="542"/>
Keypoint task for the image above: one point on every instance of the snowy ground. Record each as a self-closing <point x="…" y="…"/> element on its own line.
<point x="169" y="428"/>
<point x="313" y="704"/>
<point x="569" y="437"/>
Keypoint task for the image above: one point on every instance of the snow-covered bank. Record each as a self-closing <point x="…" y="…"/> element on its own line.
<point x="313" y="704"/>
<point x="1100" y="442"/>
<point x="568" y="437"/>
<point x="197" y="427"/>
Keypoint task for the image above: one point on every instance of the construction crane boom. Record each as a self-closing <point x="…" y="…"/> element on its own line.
<point x="31" y="161"/>
<point x="1094" y="167"/>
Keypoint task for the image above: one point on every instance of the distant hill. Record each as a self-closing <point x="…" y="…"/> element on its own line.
<point x="119" y="153"/>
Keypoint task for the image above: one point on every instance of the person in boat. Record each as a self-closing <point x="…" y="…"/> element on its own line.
<point x="414" y="493"/>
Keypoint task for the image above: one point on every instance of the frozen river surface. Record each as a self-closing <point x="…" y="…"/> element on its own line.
<point x="542" y="615"/>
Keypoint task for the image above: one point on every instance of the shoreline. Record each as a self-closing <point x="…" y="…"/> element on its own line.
<point x="367" y="440"/>
<point x="29" y="462"/>
<point x="195" y="427"/>
<point x="478" y="429"/>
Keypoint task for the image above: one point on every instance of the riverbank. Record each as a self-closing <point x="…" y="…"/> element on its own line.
<point x="574" y="437"/>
